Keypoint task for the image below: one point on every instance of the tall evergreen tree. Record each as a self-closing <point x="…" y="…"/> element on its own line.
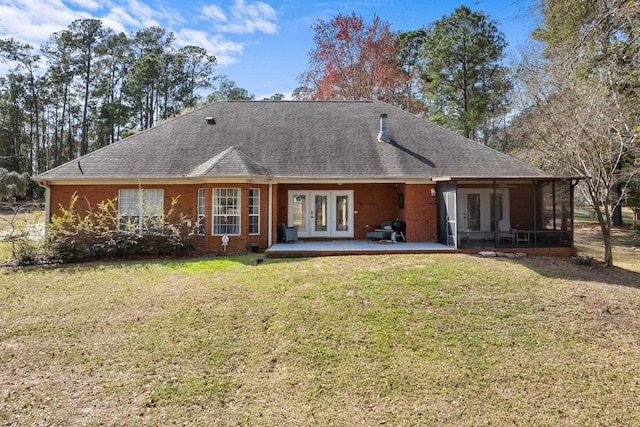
<point x="24" y="64"/>
<point x="84" y="37"/>
<point x="465" y="84"/>
<point x="97" y="87"/>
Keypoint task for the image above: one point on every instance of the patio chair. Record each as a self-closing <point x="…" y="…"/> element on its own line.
<point x="287" y="234"/>
<point x="505" y="232"/>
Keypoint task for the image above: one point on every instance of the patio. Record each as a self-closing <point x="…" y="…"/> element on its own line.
<point x="303" y="248"/>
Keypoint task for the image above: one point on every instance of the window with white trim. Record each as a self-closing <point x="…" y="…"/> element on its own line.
<point x="226" y="211"/>
<point x="140" y="209"/>
<point x="201" y="225"/>
<point x="254" y="211"/>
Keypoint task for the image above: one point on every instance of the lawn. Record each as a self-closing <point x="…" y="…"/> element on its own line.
<point x="398" y="340"/>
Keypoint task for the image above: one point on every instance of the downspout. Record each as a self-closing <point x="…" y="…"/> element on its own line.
<point x="270" y="215"/>
<point x="47" y="201"/>
<point x="496" y="232"/>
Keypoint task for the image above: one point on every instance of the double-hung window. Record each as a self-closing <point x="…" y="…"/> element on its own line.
<point x="141" y="210"/>
<point x="201" y="226"/>
<point x="226" y="211"/>
<point x="254" y="211"/>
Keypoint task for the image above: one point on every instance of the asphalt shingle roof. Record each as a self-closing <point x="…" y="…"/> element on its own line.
<point x="305" y="139"/>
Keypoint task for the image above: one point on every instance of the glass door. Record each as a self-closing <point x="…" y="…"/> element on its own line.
<point x="321" y="213"/>
<point x="451" y="217"/>
<point x="298" y="213"/>
<point x="342" y="213"/>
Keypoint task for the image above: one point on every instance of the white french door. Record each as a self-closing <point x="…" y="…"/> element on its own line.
<point x="479" y="211"/>
<point x="321" y="213"/>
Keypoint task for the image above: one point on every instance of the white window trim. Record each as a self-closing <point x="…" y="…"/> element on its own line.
<point x="139" y="204"/>
<point x="201" y="212"/>
<point x="256" y="208"/>
<point x="237" y="214"/>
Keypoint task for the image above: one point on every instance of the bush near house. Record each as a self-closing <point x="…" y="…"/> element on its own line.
<point x="72" y="236"/>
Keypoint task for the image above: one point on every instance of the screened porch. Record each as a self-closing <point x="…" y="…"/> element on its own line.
<point x="506" y="213"/>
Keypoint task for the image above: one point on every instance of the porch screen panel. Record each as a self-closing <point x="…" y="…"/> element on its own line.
<point x="497" y="209"/>
<point x="548" y="211"/>
<point x="452" y="227"/>
<point x="473" y="212"/>
<point x="563" y="205"/>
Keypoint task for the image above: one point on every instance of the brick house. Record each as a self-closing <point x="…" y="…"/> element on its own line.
<point x="331" y="169"/>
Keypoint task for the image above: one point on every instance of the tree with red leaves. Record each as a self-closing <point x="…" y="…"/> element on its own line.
<point x="354" y="61"/>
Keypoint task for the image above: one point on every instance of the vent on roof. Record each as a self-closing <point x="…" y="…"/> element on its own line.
<point x="211" y="121"/>
<point x="383" y="136"/>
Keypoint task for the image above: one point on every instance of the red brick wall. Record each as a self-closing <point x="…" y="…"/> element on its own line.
<point x="421" y="213"/>
<point x="375" y="203"/>
<point x="187" y="202"/>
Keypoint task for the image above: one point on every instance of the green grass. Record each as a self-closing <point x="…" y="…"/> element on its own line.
<point x="401" y="340"/>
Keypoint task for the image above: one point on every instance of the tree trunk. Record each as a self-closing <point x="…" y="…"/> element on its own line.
<point x="84" y="137"/>
<point x="604" y="219"/>
<point x="616" y="219"/>
<point x="608" y="251"/>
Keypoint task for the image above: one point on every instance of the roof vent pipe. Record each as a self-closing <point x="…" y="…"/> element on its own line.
<point x="210" y="120"/>
<point x="383" y="136"/>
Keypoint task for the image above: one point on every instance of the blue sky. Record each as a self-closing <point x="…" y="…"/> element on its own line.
<point x="261" y="45"/>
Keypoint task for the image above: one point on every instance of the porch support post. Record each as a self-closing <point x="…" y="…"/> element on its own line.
<point x="572" y="185"/>
<point x="496" y="231"/>
<point x="535" y="214"/>
<point x="270" y="215"/>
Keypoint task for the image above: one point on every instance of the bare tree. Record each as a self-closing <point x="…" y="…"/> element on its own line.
<point x="582" y="112"/>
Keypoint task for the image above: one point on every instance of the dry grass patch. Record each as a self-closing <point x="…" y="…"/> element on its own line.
<point x="403" y="340"/>
<point x="626" y="247"/>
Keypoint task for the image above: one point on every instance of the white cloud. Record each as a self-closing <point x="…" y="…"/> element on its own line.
<point x="224" y="50"/>
<point x="121" y="20"/>
<point x="34" y="21"/>
<point x="87" y="4"/>
<point x="214" y="13"/>
<point x="243" y="17"/>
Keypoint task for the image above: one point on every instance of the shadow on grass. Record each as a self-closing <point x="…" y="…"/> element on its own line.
<point x="144" y="262"/>
<point x="570" y="269"/>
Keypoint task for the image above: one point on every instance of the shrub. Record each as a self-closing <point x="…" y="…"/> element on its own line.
<point x="104" y="232"/>
<point x="584" y="260"/>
